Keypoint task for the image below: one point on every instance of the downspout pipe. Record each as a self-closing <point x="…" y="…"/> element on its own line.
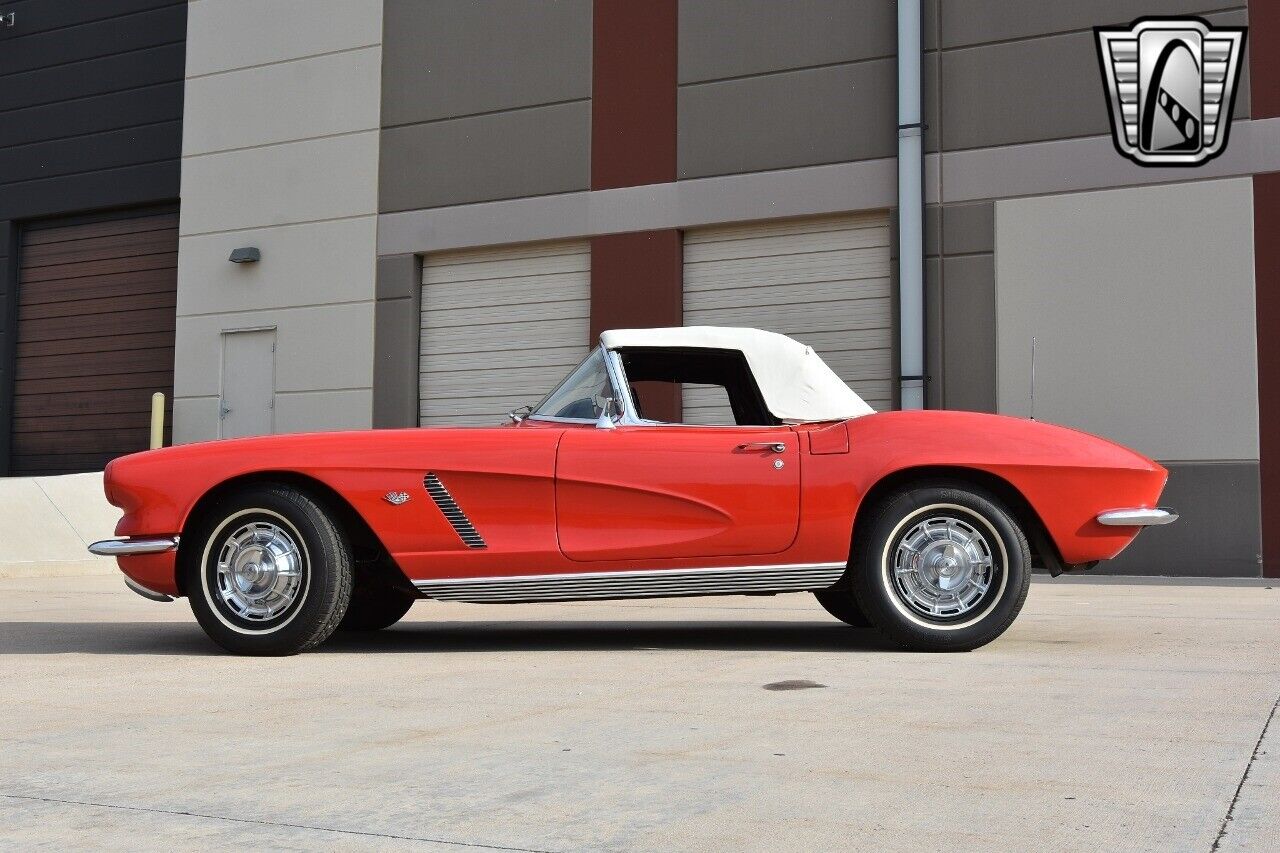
<point x="910" y="210"/>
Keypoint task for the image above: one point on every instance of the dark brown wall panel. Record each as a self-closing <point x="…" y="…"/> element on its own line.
<point x="8" y="333"/>
<point x="633" y="91"/>
<point x="1264" y="47"/>
<point x="1266" y="236"/>
<point x="637" y="281"/>
<point x="95" y="338"/>
<point x="1264" y="42"/>
<point x="90" y="122"/>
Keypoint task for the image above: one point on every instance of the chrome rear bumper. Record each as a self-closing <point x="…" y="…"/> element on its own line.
<point x="129" y="547"/>
<point x="1137" y="517"/>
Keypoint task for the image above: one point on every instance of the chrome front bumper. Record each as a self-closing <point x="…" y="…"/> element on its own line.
<point x="1137" y="517"/>
<point x="130" y="547"/>
<point x="149" y="594"/>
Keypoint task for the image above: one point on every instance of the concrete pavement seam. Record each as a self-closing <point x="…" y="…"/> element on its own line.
<point x="177" y="813"/>
<point x="1226" y="820"/>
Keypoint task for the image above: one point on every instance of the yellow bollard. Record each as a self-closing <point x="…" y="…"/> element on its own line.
<point x="157" y="420"/>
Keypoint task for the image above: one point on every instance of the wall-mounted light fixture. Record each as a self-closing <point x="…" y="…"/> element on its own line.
<point x="245" y="255"/>
<point x="6" y="19"/>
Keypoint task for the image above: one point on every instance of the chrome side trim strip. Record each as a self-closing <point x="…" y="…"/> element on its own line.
<point x="149" y="594"/>
<point x="1137" y="517"/>
<point x="452" y="512"/>
<point x="129" y="547"/>
<point x="661" y="583"/>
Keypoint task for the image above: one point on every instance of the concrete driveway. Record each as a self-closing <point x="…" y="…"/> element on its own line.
<point x="1111" y="717"/>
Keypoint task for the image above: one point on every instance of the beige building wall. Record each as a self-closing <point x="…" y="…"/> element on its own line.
<point x="280" y="151"/>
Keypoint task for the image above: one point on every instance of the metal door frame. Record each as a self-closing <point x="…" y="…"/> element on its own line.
<point x="222" y="370"/>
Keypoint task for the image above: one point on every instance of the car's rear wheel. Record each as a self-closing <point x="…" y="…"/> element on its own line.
<point x="375" y="606"/>
<point x="268" y="572"/>
<point x="941" y="567"/>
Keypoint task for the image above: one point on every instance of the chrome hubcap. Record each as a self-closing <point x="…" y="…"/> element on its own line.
<point x="259" y="571"/>
<point x="943" y="567"/>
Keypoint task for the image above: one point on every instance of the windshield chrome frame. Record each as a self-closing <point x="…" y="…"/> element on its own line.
<point x="621" y="399"/>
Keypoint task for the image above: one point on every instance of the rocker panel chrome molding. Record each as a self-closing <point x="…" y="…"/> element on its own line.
<point x="452" y="512"/>
<point x="659" y="583"/>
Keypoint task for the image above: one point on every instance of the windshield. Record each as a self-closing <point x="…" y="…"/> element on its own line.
<point x="582" y="395"/>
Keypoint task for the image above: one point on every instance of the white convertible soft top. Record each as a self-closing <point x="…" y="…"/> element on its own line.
<point x="796" y="383"/>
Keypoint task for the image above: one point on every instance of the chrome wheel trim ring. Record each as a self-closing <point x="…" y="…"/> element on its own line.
<point x="975" y="563"/>
<point x="262" y="571"/>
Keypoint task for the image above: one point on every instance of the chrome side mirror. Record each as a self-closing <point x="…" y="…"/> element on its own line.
<point x="605" y="421"/>
<point x="520" y="413"/>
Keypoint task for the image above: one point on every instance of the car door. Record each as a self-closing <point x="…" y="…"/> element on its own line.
<point x="656" y="491"/>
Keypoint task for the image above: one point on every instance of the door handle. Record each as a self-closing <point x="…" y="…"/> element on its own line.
<point x="774" y="446"/>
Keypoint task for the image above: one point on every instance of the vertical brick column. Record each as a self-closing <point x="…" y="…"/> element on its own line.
<point x="1264" y="70"/>
<point x="636" y="283"/>
<point x="637" y="279"/>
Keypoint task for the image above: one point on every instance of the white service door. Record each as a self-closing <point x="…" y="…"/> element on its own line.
<point x="248" y="383"/>
<point x="824" y="281"/>
<point x="500" y="328"/>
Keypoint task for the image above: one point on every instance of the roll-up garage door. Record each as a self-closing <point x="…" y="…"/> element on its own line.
<point x="823" y="281"/>
<point x="500" y="328"/>
<point x="96" y="303"/>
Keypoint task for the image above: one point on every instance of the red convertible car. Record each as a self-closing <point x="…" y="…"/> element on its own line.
<point x="922" y="524"/>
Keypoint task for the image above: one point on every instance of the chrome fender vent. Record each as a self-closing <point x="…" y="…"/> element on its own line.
<point x="452" y="512"/>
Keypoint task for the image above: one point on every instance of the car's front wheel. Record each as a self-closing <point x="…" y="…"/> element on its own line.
<point x="267" y="572"/>
<point x="941" y="567"/>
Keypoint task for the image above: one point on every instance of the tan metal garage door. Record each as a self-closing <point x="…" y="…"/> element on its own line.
<point x="95" y="339"/>
<point x="824" y="281"/>
<point x="500" y="327"/>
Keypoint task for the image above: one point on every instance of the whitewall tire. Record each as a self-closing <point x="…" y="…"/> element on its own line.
<point x="269" y="572"/>
<point x="941" y="567"/>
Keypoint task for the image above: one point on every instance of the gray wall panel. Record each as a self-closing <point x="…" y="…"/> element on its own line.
<point x="458" y="57"/>
<point x="933" y="384"/>
<point x="529" y="152"/>
<point x="969" y="332"/>
<point x="734" y="38"/>
<point x="932" y="106"/>
<point x="969" y="228"/>
<point x="399" y="276"/>
<point x="966" y="22"/>
<point x="395" y="344"/>
<point x="838" y="188"/>
<point x="932" y="231"/>
<point x="1003" y="94"/>
<point x="1145" y="324"/>
<point x="1217" y="534"/>
<point x="797" y="118"/>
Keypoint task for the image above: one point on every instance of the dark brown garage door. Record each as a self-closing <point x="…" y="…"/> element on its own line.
<point x="96" y="305"/>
